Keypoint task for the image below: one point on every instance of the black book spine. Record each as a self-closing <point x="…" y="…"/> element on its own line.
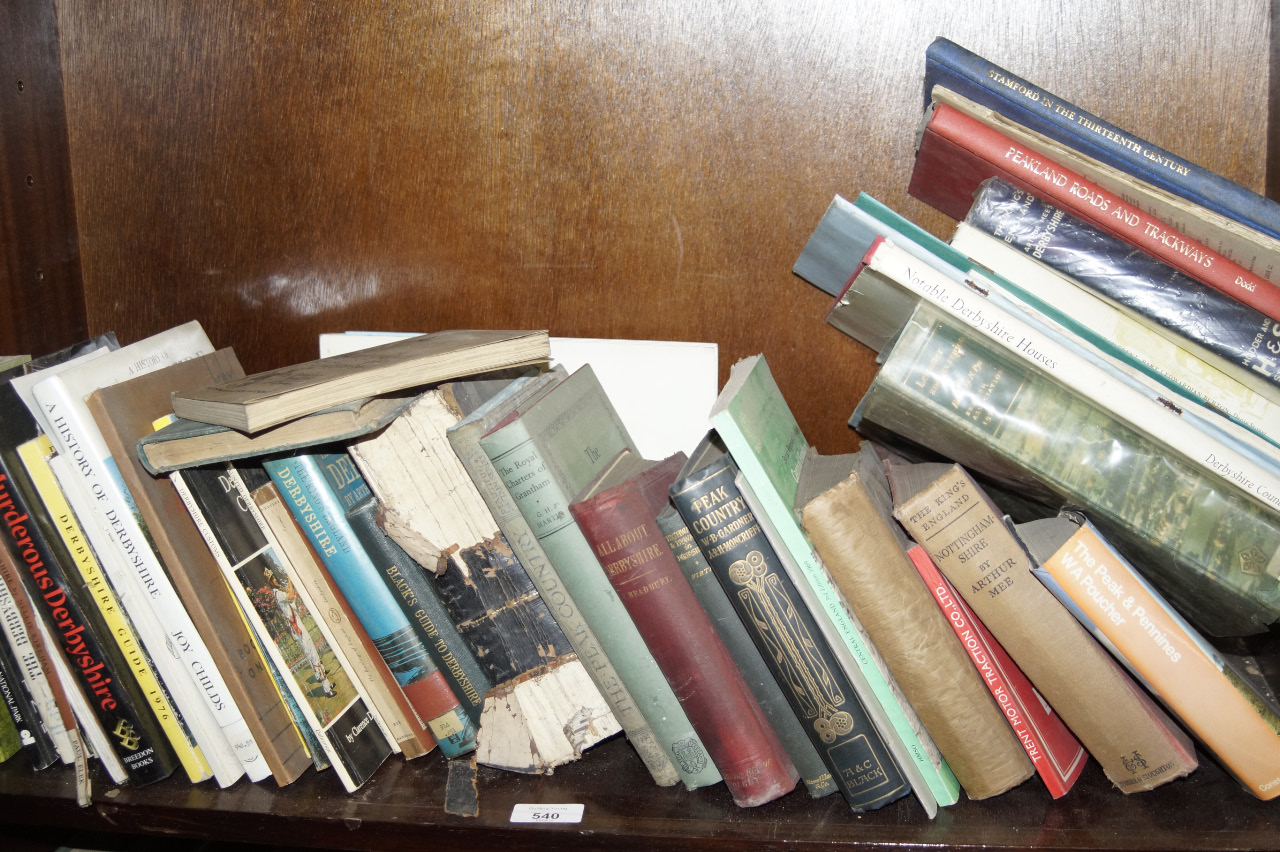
<point x="36" y="740"/>
<point x="1129" y="278"/>
<point x="99" y="669"/>
<point x="420" y="601"/>
<point x="784" y="631"/>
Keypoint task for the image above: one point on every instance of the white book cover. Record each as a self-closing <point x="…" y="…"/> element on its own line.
<point x="134" y="570"/>
<point x="662" y="389"/>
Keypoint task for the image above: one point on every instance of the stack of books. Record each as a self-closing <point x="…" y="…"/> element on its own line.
<point x="447" y="540"/>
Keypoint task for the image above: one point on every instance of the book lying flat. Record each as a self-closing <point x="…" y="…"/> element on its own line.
<point x="187" y="443"/>
<point x="268" y="399"/>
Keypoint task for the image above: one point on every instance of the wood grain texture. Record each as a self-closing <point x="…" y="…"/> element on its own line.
<point x="41" y="301"/>
<point x="630" y="170"/>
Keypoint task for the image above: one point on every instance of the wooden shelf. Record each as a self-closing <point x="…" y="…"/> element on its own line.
<point x="401" y="808"/>
<point x="642" y="170"/>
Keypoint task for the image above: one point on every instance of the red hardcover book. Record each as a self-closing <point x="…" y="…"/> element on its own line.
<point x="620" y="523"/>
<point x="957" y="153"/>
<point x="1054" y="751"/>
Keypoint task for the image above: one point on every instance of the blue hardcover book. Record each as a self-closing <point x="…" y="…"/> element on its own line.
<point x="950" y="65"/>
<point x="321" y="515"/>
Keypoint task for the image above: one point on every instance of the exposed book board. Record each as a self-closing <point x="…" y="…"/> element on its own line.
<point x="1167" y="655"/>
<point x="323" y="520"/>
<point x="267" y="399"/>
<point x="1138" y="746"/>
<point x="766" y="601"/>
<point x="948" y="64"/>
<point x="986" y="411"/>
<point x="353" y="738"/>
<point x="618" y="517"/>
<point x="429" y="506"/>
<point x="1054" y="751"/>
<point x="126" y="412"/>
<point x="757" y="426"/>
<point x="465" y="440"/>
<point x="544" y="455"/>
<point x="1225" y="330"/>
<point x="851" y="525"/>
<point x="957" y="153"/>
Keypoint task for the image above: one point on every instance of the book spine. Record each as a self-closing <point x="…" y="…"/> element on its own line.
<point x="957" y="153"/>
<point x="423" y="605"/>
<point x="32" y="703"/>
<point x="1173" y="662"/>
<point x="636" y="559"/>
<point x="346" y="729"/>
<point x="36" y="459"/>
<point x="949" y="65"/>
<point x="362" y="656"/>
<point x="1138" y="746"/>
<point x="788" y="639"/>
<point x="465" y="439"/>
<point x="914" y="748"/>
<point x="1176" y="362"/>
<point x="866" y="562"/>
<point x="1054" y="751"/>
<point x="815" y="774"/>
<point x="1228" y="331"/>
<point x="303" y="486"/>
<point x="1044" y="352"/>
<point x="992" y="413"/>
<point x="142" y="583"/>
<point x="545" y="507"/>
<point x="13" y="734"/>
<point x="100" y="678"/>
<point x="194" y="575"/>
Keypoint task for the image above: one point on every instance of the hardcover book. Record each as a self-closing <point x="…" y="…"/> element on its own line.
<point x="124" y="413"/>
<point x="465" y="440"/>
<point x="946" y="512"/>
<point x="957" y="153"/>
<point x="1054" y="751"/>
<point x="617" y="515"/>
<point x="1206" y="545"/>
<point x="733" y="633"/>
<point x="1218" y="705"/>
<point x="267" y="399"/>
<point x="352" y="736"/>
<point x="323" y="520"/>
<point x="851" y="525"/>
<point x="783" y="629"/>
<point x="120" y="539"/>
<point x="544" y="455"/>
<point x="766" y="443"/>
<point x="1222" y="329"/>
<point x="950" y="65"/>
<point x="430" y="507"/>
<point x="360" y="656"/>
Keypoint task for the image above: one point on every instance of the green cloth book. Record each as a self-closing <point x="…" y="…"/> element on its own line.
<point x="546" y="455"/>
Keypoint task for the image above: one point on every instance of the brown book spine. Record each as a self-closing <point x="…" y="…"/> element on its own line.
<point x="124" y="413"/>
<point x="623" y="531"/>
<point x="906" y="626"/>
<point x="1137" y="744"/>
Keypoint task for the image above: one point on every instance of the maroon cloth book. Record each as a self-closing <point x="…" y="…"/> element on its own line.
<point x="620" y="523"/>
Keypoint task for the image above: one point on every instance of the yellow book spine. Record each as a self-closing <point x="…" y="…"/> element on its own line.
<point x="35" y="454"/>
